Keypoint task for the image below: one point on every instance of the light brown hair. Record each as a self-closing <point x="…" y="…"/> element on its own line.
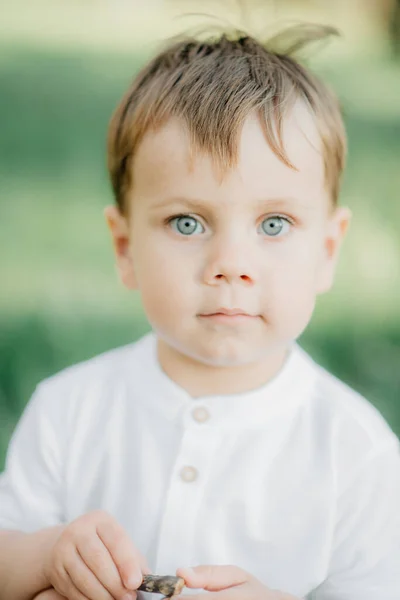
<point x="213" y="86"/>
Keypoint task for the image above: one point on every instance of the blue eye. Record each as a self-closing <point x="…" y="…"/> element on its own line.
<point x="273" y="226"/>
<point x="187" y="225"/>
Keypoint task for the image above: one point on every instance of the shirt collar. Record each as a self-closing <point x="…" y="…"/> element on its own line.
<point x="279" y="397"/>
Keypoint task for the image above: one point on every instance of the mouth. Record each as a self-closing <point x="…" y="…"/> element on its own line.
<point x="229" y="315"/>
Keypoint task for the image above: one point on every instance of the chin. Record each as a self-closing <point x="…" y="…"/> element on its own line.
<point x="227" y="354"/>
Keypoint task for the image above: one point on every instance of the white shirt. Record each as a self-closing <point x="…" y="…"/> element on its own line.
<point x="297" y="482"/>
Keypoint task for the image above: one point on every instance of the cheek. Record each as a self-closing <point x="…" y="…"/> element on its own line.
<point x="165" y="284"/>
<point x="291" y="289"/>
<point x="294" y="305"/>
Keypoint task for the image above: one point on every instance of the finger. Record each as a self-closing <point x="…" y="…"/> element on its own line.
<point x="69" y="590"/>
<point x="213" y="577"/>
<point x="235" y="593"/>
<point x="130" y="563"/>
<point x="85" y="582"/>
<point x="50" y="594"/>
<point x="99" y="560"/>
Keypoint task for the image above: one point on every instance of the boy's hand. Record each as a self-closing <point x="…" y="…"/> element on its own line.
<point x="226" y="583"/>
<point x="94" y="559"/>
<point x="49" y="595"/>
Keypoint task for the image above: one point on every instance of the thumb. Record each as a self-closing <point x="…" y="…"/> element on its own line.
<point x="213" y="577"/>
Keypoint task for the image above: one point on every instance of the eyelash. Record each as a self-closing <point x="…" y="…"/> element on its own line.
<point x="288" y="220"/>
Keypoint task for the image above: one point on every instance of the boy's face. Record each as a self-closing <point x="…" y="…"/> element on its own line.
<point x="229" y="272"/>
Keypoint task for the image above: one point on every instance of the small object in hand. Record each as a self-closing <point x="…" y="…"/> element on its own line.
<point x="167" y="585"/>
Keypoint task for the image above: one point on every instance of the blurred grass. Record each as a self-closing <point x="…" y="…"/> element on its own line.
<point x="60" y="300"/>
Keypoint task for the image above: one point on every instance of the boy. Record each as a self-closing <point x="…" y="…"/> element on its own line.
<point x="214" y="441"/>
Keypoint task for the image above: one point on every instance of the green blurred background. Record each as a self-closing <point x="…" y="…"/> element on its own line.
<point x="63" y="67"/>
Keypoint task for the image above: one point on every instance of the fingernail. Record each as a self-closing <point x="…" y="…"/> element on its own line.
<point x="129" y="596"/>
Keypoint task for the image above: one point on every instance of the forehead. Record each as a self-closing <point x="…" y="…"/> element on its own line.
<point x="162" y="164"/>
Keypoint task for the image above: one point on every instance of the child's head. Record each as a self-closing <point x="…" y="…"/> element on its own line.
<point x="225" y="160"/>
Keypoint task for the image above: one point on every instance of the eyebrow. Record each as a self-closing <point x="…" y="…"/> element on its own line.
<point x="198" y="204"/>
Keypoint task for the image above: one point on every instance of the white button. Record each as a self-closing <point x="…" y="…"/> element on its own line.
<point x="189" y="474"/>
<point x="200" y="414"/>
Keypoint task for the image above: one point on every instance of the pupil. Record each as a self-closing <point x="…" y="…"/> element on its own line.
<point x="274" y="224"/>
<point x="186" y="225"/>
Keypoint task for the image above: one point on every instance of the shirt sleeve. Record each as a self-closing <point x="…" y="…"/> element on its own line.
<point x="365" y="562"/>
<point x="31" y="485"/>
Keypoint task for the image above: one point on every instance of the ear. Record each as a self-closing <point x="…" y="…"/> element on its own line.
<point x="337" y="226"/>
<point x="119" y="228"/>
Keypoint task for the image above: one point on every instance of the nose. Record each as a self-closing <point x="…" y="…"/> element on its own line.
<point x="230" y="262"/>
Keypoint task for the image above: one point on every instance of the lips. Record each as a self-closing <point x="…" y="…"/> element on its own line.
<point x="228" y="312"/>
<point x="229" y="315"/>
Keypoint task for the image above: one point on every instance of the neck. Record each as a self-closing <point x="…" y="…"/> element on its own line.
<point x="200" y="379"/>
